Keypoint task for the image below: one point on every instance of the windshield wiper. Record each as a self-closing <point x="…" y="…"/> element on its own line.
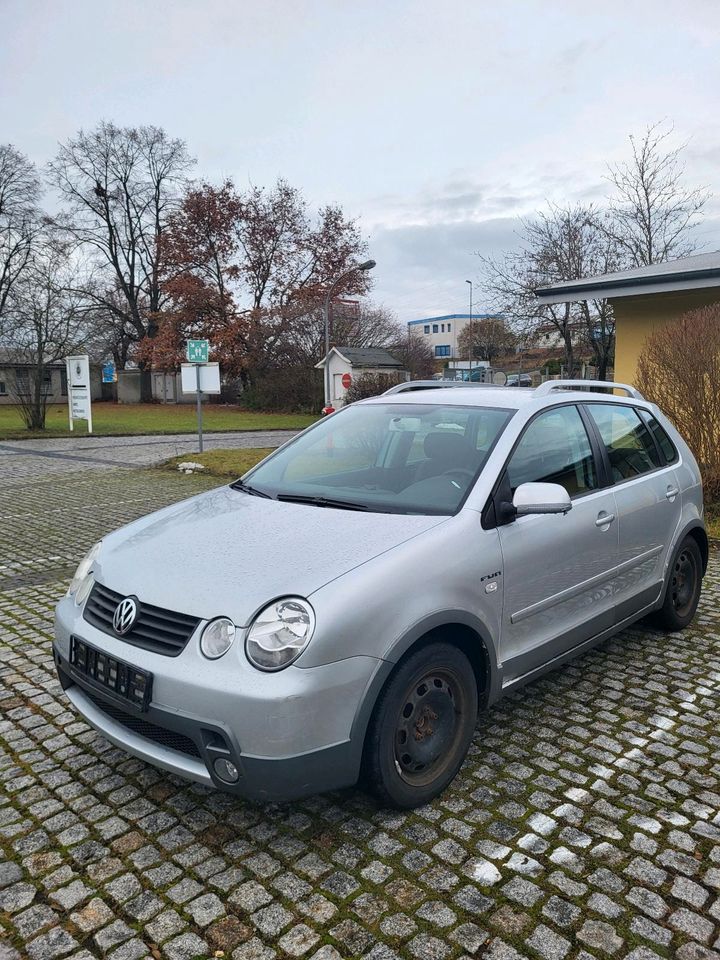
<point x="252" y="491"/>
<point x="322" y="501"/>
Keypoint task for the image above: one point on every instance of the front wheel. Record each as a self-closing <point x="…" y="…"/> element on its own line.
<point x="682" y="593"/>
<point x="422" y="726"/>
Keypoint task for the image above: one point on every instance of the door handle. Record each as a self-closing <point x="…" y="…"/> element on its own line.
<point x="671" y="493"/>
<point x="604" y="519"/>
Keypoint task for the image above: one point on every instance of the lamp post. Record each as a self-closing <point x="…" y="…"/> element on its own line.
<point x="470" y="338"/>
<point x="365" y="265"/>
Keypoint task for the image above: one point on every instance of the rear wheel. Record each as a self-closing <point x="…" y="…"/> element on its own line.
<point x="682" y="593"/>
<point x="422" y="726"/>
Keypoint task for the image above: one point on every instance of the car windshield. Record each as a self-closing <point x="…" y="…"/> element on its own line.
<point x="390" y="457"/>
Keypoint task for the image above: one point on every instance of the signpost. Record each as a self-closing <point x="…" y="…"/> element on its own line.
<point x="199" y="376"/>
<point x="79" y="400"/>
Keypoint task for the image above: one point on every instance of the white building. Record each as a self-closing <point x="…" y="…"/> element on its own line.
<point x="442" y="333"/>
<point x="348" y="362"/>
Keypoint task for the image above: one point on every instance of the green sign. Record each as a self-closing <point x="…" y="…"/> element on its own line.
<point x="197" y="351"/>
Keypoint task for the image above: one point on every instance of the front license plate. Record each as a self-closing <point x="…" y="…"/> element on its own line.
<point x="125" y="681"/>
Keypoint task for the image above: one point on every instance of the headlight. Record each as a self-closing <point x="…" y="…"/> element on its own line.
<point x="84" y="568"/>
<point x="280" y="633"/>
<point x="217" y="638"/>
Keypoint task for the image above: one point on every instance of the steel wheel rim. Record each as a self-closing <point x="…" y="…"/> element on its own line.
<point x="429" y="726"/>
<point x="683" y="582"/>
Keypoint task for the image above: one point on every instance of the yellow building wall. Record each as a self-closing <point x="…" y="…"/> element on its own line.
<point x="637" y="317"/>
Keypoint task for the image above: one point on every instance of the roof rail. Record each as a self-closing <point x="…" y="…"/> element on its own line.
<point x="411" y="385"/>
<point x="593" y="385"/>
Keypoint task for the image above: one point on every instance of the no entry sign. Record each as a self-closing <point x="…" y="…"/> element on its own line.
<point x="346" y="380"/>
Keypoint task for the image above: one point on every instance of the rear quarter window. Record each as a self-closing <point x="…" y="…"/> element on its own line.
<point x="667" y="447"/>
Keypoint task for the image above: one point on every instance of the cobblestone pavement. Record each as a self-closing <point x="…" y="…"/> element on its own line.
<point x="24" y="459"/>
<point x="585" y="822"/>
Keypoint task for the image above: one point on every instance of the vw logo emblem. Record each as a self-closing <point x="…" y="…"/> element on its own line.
<point x="125" y="616"/>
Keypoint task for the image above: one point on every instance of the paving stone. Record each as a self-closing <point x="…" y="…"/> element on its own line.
<point x="55" y="943"/>
<point x="205" y="909"/>
<point x="600" y="936"/>
<point x="560" y="912"/>
<point x="188" y="946"/>
<point x="694" y="925"/>
<point x="272" y="920"/>
<point x="93" y="915"/>
<point x="165" y="925"/>
<point x="426" y="947"/>
<point x="649" y="930"/>
<point x="550" y="945"/>
<point x="298" y="941"/>
<point x="112" y="935"/>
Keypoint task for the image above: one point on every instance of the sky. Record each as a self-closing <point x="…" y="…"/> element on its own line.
<point x="438" y="125"/>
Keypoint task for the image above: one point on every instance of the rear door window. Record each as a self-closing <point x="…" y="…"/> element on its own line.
<point x="630" y="447"/>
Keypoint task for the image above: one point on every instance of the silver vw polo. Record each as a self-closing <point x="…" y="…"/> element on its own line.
<point x="350" y="604"/>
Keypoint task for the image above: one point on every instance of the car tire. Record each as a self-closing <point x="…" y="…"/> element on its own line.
<point x="682" y="592"/>
<point x="421" y="727"/>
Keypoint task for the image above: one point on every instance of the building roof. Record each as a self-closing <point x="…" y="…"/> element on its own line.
<point x="365" y="357"/>
<point x="688" y="273"/>
<point x="457" y="316"/>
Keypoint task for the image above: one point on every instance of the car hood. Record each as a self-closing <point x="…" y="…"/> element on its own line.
<point x="228" y="553"/>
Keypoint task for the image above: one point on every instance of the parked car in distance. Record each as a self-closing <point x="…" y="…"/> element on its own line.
<point x="348" y="606"/>
<point x="519" y="380"/>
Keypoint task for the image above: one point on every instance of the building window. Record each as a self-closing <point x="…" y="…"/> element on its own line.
<point x="3" y="391"/>
<point x="442" y="328"/>
<point x="22" y="381"/>
<point x="435" y="328"/>
<point x="442" y="351"/>
<point x="426" y="328"/>
<point x="63" y="381"/>
<point x="449" y="327"/>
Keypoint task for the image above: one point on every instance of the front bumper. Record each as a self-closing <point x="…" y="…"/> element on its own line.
<point x="289" y="734"/>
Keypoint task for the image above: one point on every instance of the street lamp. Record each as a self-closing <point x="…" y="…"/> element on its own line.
<point x="365" y="265"/>
<point x="470" y="338"/>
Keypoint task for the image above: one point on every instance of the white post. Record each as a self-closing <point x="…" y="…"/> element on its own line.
<point x="199" y="406"/>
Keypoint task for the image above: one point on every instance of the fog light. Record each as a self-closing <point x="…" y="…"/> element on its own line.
<point x="226" y="770"/>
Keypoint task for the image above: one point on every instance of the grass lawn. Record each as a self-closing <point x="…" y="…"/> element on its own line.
<point x="222" y="463"/>
<point x="112" y="419"/>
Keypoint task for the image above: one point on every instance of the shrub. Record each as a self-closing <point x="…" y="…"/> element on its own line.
<point x="679" y="369"/>
<point x="290" y="389"/>
<point x="371" y="384"/>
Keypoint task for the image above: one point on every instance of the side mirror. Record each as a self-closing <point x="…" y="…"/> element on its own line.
<point x="541" y="498"/>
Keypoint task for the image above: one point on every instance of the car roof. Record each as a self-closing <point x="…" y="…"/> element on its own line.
<point x="491" y="395"/>
<point x="474" y="396"/>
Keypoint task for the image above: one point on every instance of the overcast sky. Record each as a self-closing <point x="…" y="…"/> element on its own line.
<point x="436" y="122"/>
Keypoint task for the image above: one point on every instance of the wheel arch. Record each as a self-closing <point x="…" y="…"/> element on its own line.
<point x="455" y="627"/>
<point x="696" y="530"/>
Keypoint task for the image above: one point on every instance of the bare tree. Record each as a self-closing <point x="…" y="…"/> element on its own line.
<point x="352" y="324"/>
<point x="415" y="354"/>
<point x="45" y="323"/>
<point x="120" y="185"/>
<point x="486" y="339"/>
<point x="651" y="214"/>
<point x="19" y="197"/>
<point x="562" y="243"/>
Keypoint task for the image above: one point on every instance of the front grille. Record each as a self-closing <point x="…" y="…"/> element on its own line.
<point x="157" y="630"/>
<point x="159" y="735"/>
